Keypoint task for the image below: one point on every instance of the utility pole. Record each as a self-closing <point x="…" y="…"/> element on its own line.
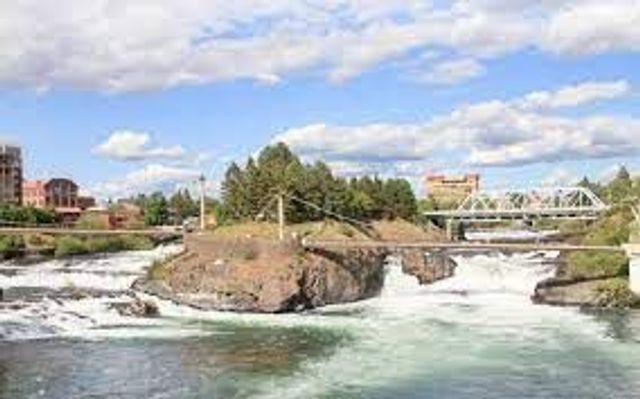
<point x="281" y="220"/>
<point x="202" y="194"/>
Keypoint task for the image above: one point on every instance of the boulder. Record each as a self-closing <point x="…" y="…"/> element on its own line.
<point x="427" y="267"/>
<point x="136" y="308"/>
<point x="561" y="292"/>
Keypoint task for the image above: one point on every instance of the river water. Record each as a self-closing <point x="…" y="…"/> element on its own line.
<point x="475" y="335"/>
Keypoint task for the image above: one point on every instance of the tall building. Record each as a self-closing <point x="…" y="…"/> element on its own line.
<point x="451" y="189"/>
<point x="10" y="174"/>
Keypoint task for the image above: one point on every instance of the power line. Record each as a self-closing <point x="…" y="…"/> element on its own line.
<point x="328" y="212"/>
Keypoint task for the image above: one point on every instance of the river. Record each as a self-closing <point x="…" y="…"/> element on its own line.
<point x="475" y="335"/>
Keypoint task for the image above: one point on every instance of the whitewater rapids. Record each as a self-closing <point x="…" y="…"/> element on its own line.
<point x="476" y="334"/>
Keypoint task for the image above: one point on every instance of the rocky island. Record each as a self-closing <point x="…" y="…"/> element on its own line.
<point x="240" y="268"/>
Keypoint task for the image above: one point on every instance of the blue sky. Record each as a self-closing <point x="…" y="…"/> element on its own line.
<point x="397" y="88"/>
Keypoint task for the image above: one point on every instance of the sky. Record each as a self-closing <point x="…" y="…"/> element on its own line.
<point x="127" y="97"/>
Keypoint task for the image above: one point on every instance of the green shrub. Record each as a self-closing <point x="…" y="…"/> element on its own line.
<point x="10" y="245"/>
<point x="68" y="245"/>
<point x="158" y="270"/>
<point x="635" y="232"/>
<point x="596" y="264"/>
<point x="136" y="243"/>
<point x="615" y="293"/>
<point x="118" y="243"/>
<point x="613" y="229"/>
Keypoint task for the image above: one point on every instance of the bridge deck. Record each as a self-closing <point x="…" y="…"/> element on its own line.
<point x="82" y="232"/>
<point x="515" y="214"/>
<point x="513" y="247"/>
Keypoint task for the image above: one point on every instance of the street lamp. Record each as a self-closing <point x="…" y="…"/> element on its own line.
<point x="202" y="181"/>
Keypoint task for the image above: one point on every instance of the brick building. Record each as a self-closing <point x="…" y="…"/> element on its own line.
<point x="451" y="189"/>
<point x="58" y="194"/>
<point x="10" y="174"/>
<point x="33" y="193"/>
<point x="85" y="202"/>
<point x="54" y="193"/>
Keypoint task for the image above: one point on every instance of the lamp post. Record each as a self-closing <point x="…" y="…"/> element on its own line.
<point x="202" y="181"/>
<point x="281" y="221"/>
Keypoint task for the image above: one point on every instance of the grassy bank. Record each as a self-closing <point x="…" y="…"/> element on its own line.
<point x="615" y="228"/>
<point x="397" y="229"/>
<point x="61" y="246"/>
<point x="160" y="268"/>
<point x="70" y="245"/>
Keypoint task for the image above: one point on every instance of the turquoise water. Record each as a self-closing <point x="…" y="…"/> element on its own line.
<point x="475" y="335"/>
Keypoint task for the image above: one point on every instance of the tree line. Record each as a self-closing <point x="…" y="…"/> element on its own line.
<point x="159" y="210"/>
<point x="26" y="215"/>
<point x="249" y="192"/>
<point x="623" y="189"/>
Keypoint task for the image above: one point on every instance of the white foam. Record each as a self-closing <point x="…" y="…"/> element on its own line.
<point x="508" y="234"/>
<point x="449" y="323"/>
<point x="88" y="317"/>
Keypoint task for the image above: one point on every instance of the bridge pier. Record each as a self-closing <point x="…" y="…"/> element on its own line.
<point x="633" y="252"/>
<point x="455" y="230"/>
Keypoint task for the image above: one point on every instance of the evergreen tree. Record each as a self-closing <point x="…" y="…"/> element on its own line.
<point x="248" y="192"/>
<point x="156" y="211"/>
<point x="398" y="199"/>
<point x="183" y="205"/>
<point x="233" y="193"/>
<point x="621" y="187"/>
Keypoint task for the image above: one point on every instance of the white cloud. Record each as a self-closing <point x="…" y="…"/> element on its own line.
<point x="150" y="178"/>
<point x="577" y="95"/>
<point x="120" y="45"/>
<point x="128" y="145"/>
<point x="454" y="71"/>
<point x="491" y="133"/>
<point x="595" y="26"/>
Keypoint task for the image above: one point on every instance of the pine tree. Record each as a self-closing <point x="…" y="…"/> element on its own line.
<point x="156" y="211"/>
<point x="233" y="193"/>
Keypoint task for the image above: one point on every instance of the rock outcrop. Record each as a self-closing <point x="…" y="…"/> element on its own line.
<point x="561" y="292"/>
<point x="427" y="267"/>
<point x="596" y="292"/>
<point x="256" y="275"/>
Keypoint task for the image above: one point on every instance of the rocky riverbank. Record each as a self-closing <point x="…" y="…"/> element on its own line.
<point x="598" y="290"/>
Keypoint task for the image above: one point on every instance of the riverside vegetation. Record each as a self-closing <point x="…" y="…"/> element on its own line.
<point x="12" y="246"/>
<point x="601" y="276"/>
<point x="62" y="246"/>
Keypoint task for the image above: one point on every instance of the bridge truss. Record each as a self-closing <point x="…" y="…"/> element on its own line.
<point x="530" y="204"/>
